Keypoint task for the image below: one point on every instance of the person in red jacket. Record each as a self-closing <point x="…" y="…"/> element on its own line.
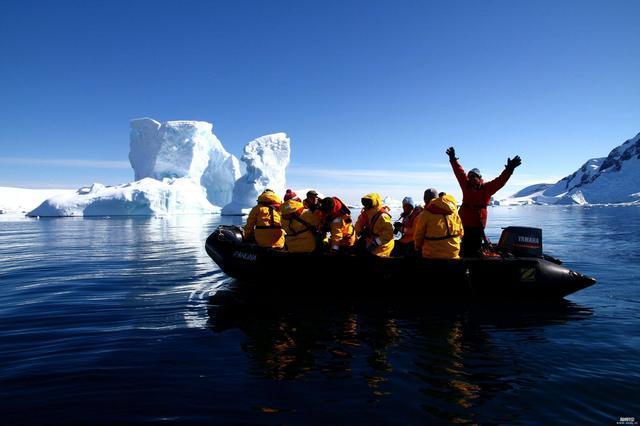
<point x="476" y="195"/>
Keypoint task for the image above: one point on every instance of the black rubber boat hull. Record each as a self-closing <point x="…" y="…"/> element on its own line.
<point x="374" y="277"/>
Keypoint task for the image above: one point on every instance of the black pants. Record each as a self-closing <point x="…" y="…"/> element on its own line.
<point x="472" y="242"/>
<point x="404" y="250"/>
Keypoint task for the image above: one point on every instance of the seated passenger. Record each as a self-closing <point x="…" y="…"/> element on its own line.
<point x="264" y="223"/>
<point x="301" y="226"/>
<point x="374" y="226"/>
<point x="406" y="226"/>
<point x="312" y="202"/>
<point x="439" y="228"/>
<point x="337" y="217"/>
<point x="290" y="195"/>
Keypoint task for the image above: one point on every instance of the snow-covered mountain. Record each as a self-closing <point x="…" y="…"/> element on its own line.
<point x="613" y="179"/>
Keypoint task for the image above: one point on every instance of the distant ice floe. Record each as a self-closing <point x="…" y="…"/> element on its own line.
<point x="180" y="167"/>
<point x="392" y="203"/>
<point x="18" y="201"/>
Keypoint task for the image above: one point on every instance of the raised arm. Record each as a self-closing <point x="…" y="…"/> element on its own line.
<point x="496" y="184"/>
<point x="457" y="168"/>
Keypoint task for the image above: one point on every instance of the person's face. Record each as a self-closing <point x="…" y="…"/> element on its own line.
<point x="367" y="203"/>
<point x="313" y="199"/>
<point x="473" y="178"/>
<point x="407" y="208"/>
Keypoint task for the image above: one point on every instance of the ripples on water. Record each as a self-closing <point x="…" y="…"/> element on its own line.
<point x="115" y="320"/>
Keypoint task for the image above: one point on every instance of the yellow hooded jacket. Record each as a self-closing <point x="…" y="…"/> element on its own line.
<point x="300" y="224"/>
<point x="439" y="229"/>
<point x="264" y="221"/>
<point x="377" y="226"/>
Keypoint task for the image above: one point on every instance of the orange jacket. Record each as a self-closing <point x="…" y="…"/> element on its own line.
<point x="340" y="226"/>
<point x="408" y="225"/>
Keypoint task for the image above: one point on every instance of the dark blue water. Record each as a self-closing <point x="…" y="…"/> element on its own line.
<point x="108" y="320"/>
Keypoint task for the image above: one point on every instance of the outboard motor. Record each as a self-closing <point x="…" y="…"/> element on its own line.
<point x="228" y="233"/>
<point x="521" y="241"/>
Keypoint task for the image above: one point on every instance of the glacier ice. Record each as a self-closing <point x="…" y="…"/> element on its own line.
<point x="266" y="159"/>
<point x="145" y="197"/>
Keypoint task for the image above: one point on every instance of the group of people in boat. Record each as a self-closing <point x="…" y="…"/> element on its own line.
<point x="437" y="230"/>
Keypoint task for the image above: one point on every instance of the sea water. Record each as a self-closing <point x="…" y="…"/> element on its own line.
<point x="108" y="320"/>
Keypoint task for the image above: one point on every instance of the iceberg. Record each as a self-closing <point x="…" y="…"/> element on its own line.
<point x="145" y="197"/>
<point x="180" y="167"/>
<point x="266" y="159"/>
<point x="183" y="149"/>
<point x="173" y="149"/>
<point x="220" y="176"/>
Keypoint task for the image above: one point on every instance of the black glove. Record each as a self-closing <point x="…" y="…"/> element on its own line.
<point x="451" y="152"/>
<point x="397" y="227"/>
<point x="512" y="164"/>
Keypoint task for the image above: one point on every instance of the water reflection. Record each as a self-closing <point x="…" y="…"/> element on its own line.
<point x="446" y="361"/>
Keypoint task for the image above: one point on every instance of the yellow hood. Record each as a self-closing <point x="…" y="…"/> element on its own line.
<point x="269" y="197"/>
<point x="443" y="205"/>
<point x="377" y="201"/>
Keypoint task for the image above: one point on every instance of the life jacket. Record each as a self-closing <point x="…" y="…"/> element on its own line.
<point x="439" y="230"/>
<point x="444" y="206"/>
<point x="271" y="222"/>
<point x="264" y="221"/>
<point x="307" y="227"/>
<point x="374" y="225"/>
<point x="365" y="225"/>
<point x="408" y="222"/>
<point x="368" y="229"/>
<point x="291" y="211"/>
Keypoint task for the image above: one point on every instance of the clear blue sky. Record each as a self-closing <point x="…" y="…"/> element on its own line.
<point x="371" y="93"/>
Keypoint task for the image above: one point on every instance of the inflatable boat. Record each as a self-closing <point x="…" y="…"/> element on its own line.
<point x="518" y="269"/>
